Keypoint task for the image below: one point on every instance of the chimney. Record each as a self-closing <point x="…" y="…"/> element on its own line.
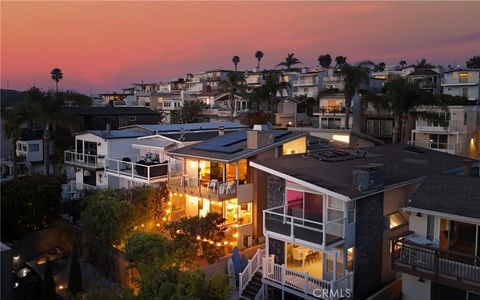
<point x="259" y="138"/>
<point x="221" y="130"/>
<point x="108" y="128"/>
<point x="468" y="169"/>
<point x="369" y="177"/>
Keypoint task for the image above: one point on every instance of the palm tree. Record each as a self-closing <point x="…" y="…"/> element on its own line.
<point x="340" y="61"/>
<point x="274" y="85"/>
<point x="325" y="60"/>
<point x="13" y="118"/>
<point x="233" y="85"/>
<point x="473" y="62"/>
<point x="290" y="60"/>
<point x="235" y="61"/>
<point x="47" y="108"/>
<point x="423" y="64"/>
<point x="258" y="56"/>
<point x="57" y="75"/>
<point x="402" y="63"/>
<point x="405" y="100"/>
<point x="259" y="98"/>
<point x="353" y="76"/>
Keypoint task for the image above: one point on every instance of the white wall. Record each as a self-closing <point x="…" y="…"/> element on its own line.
<point x="412" y="289"/>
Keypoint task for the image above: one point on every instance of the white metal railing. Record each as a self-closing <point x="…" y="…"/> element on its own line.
<point x="136" y="168"/>
<point x="89" y="160"/>
<point x="301" y="281"/>
<point x="213" y="186"/>
<point x="277" y="220"/>
<point x="305" y="82"/>
<point x="446" y="125"/>
<point x="446" y="147"/>
<point x="253" y="266"/>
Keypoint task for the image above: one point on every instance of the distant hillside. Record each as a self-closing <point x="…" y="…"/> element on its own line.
<point x="10" y="97"/>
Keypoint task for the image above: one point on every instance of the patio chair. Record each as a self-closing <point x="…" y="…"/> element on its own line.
<point x="213" y="184"/>
<point x="229" y="186"/>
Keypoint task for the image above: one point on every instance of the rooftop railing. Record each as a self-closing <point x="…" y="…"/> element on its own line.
<point x="85" y="160"/>
<point x="137" y="168"/>
<point x="208" y="188"/>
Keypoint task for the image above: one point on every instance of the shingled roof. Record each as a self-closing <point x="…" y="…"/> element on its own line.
<point x="451" y="194"/>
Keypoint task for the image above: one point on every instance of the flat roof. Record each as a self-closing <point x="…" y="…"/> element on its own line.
<point x="109" y="111"/>
<point x="450" y="194"/>
<point x="402" y="164"/>
<point x="117" y="134"/>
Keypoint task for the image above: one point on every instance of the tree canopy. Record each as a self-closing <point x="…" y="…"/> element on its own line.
<point x="190" y="112"/>
<point x="473" y="62"/>
<point x="289" y="61"/>
<point x="28" y="203"/>
<point x="325" y="60"/>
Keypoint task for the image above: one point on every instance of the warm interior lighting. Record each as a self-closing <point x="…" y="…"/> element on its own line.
<point x="202" y="165"/>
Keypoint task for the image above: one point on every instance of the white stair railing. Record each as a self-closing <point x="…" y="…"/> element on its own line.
<point x="253" y="266"/>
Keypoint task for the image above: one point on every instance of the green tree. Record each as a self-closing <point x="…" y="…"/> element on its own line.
<point x="380" y="67"/>
<point x="289" y="61"/>
<point x="57" y="75"/>
<point x="340" y="61"/>
<point x="75" y="274"/>
<point x="274" y="85"/>
<point x="190" y="112"/>
<point x="325" y="60"/>
<point x="176" y="285"/>
<point x="106" y="218"/>
<point x="186" y="230"/>
<point x="235" y="60"/>
<point x="234" y="85"/>
<point x="115" y="292"/>
<point x="353" y="76"/>
<point x="473" y="62"/>
<point x="48" y="284"/>
<point x="28" y="203"/>
<point x="13" y="118"/>
<point x="152" y="249"/>
<point x="258" y="56"/>
<point x="407" y="100"/>
<point x="402" y="63"/>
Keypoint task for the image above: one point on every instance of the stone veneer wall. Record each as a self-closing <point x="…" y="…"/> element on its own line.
<point x="275" y="191"/>
<point x="368" y="245"/>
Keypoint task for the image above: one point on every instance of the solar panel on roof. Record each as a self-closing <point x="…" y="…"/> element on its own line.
<point x="340" y="152"/>
<point x="326" y="154"/>
<point x="215" y="148"/>
<point x="280" y="133"/>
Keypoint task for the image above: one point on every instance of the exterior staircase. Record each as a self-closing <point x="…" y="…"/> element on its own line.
<point x="253" y="287"/>
<point x="250" y="280"/>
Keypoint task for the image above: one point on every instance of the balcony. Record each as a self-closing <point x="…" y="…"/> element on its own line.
<point x="82" y="160"/>
<point x="209" y="189"/>
<point x="305" y="82"/>
<point x="378" y="112"/>
<point x="136" y="168"/>
<point x="445" y="267"/>
<point x="280" y="224"/>
<point x="437" y="126"/>
<point x="335" y="109"/>
<point x="304" y="285"/>
<point x="451" y="148"/>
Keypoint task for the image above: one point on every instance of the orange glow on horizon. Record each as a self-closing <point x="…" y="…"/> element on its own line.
<point x="105" y="46"/>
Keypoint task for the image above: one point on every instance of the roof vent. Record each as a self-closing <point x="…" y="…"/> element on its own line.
<point x="260" y="127"/>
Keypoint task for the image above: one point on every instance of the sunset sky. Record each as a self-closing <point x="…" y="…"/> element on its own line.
<point x="104" y="46"/>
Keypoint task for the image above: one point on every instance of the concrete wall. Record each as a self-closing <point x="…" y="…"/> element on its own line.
<point x="412" y="289"/>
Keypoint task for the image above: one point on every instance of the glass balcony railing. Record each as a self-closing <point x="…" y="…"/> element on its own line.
<point x="84" y="160"/>
<point x="279" y="221"/>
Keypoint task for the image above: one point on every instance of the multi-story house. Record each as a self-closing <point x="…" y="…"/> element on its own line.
<point x="456" y="131"/>
<point x="150" y="162"/>
<point x="288" y="113"/>
<point x="332" y="109"/>
<point x="462" y="82"/>
<point x="86" y="161"/>
<point x="216" y="177"/>
<point x="330" y="217"/>
<point x="428" y="79"/>
<point x="220" y="107"/>
<point x="309" y="83"/>
<point x="254" y="79"/>
<point x="289" y="77"/>
<point x="439" y="260"/>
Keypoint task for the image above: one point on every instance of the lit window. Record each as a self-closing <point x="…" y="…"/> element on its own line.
<point x="245" y="213"/>
<point x="396" y="220"/>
